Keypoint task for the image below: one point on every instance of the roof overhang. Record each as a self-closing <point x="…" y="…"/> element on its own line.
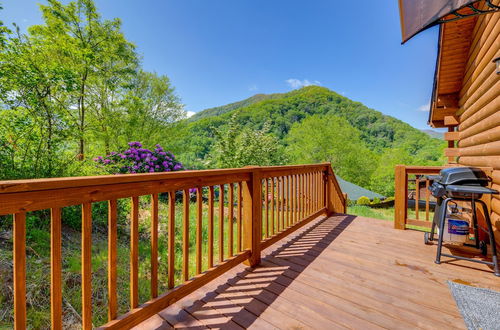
<point x="456" y="19"/>
<point x="455" y="40"/>
<point x="418" y="15"/>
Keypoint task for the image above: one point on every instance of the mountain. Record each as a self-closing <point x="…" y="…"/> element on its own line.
<point x="434" y="134"/>
<point x="379" y="131"/>
<point x="216" y="111"/>
<point x="371" y="142"/>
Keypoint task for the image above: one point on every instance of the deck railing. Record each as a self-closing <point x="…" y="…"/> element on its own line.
<point x="412" y="194"/>
<point x="414" y="204"/>
<point x="259" y="206"/>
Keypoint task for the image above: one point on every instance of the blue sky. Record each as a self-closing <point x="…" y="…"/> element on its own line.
<point x="221" y="51"/>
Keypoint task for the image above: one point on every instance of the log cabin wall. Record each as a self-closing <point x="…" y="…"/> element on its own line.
<point x="479" y="106"/>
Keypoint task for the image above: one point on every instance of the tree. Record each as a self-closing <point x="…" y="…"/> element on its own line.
<point x="151" y="108"/>
<point x="238" y="146"/>
<point x="331" y="139"/>
<point x="30" y="85"/>
<point x="73" y="86"/>
<point x="94" y="51"/>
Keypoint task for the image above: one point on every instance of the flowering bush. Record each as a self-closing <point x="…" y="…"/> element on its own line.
<point x="139" y="160"/>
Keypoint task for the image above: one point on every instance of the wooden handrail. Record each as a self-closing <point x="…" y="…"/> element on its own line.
<point x="271" y="202"/>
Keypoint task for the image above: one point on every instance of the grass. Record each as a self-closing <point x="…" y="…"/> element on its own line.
<point x="366" y="211"/>
<point x="386" y="214"/>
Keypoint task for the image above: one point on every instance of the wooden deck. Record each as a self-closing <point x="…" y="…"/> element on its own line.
<point x="337" y="272"/>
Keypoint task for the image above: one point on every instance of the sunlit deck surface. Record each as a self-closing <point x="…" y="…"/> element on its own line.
<point x="337" y="272"/>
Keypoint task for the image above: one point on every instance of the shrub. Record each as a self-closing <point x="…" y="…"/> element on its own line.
<point x="376" y="200"/>
<point x="139" y="160"/>
<point x="363" y="200"/>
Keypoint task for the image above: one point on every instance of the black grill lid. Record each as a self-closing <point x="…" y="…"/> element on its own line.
<point x="477" y="190"/>
<point x="463" y="176"/>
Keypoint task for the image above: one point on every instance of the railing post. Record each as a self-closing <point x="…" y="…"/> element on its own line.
<point x="252" y="215"/>
<point x="345" y="202"/>
<point x="333" y="202"/>
<point x="400" y="196"/>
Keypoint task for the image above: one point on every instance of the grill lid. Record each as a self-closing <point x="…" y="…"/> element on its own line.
<point x="463" y="176"/>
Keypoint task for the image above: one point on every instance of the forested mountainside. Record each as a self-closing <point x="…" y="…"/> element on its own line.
<point x="311" y="124"/>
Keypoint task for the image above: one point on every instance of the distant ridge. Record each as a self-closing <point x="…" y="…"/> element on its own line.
<point x="216" y="111"/>
<point x="434" y="134"/>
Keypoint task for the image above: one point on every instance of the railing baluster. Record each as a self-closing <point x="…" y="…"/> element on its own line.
<point x="290" y="205"/>
<point x="211" y="227"/>
<point x="283" y="189"/>
<point x="199" y="224"/>
<point x="311" y="193"/>
<point x="299" y="199"/>
<point x="230" y="220"/>
<point x="171" y="239"/>
<point x="154" y="245"/>
<point x="277" y="205"/>
<point x="318" y="190"/>
<point x="304" y="189"/>
<point x="266" y="205"/>
<point x="112" y="259"/>
<point x="55" y="269"/>
<point x="417" y="195"/>
<point x="19" y="256"/>
<point x="272" y="207"/>
<point x="283" y="203"/>
<point x="294" y="200"/>
<point x="238" y="218"/>
<point x="316" y="199"/>
<point x="282" y="198"/>
<point x="304" y="196"/>
<point x="134" y="254"/>
<point x="185" y="236"/>
<point x="87" y="266"/>
<point x="427" y="197"/>
<point x="290" y="198"/>
<point x="280" y="203"/>
<point x="221" y="223"/>
<point x="288" y="201"/>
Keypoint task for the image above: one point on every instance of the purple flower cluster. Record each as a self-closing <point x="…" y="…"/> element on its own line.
<point x="137" y="159"/>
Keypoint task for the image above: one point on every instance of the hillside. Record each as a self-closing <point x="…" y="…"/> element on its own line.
<point x="372" y="142"/>
<point x="216" y="111"/>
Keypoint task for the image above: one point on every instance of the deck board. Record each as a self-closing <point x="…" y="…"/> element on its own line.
<point x="336" y="273"/>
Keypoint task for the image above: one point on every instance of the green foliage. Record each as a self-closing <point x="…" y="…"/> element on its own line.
<point x="238" y="146"/>
<point x="73" y="87"/>
<point x="363" y="200"/>
<point x="376" y="200"/>
<point x="329" y="138"/>
<point x="233" y="106"/>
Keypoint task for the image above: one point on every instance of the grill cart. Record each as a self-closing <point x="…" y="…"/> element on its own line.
<point x="461" y="184"/>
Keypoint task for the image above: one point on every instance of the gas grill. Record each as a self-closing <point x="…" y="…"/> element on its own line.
<point x="463" y="184"/>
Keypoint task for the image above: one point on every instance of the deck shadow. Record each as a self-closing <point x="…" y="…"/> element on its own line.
<point x="245" y="296"/>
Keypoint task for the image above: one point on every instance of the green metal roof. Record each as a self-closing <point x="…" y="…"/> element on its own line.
<point x="354" y="191"/>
